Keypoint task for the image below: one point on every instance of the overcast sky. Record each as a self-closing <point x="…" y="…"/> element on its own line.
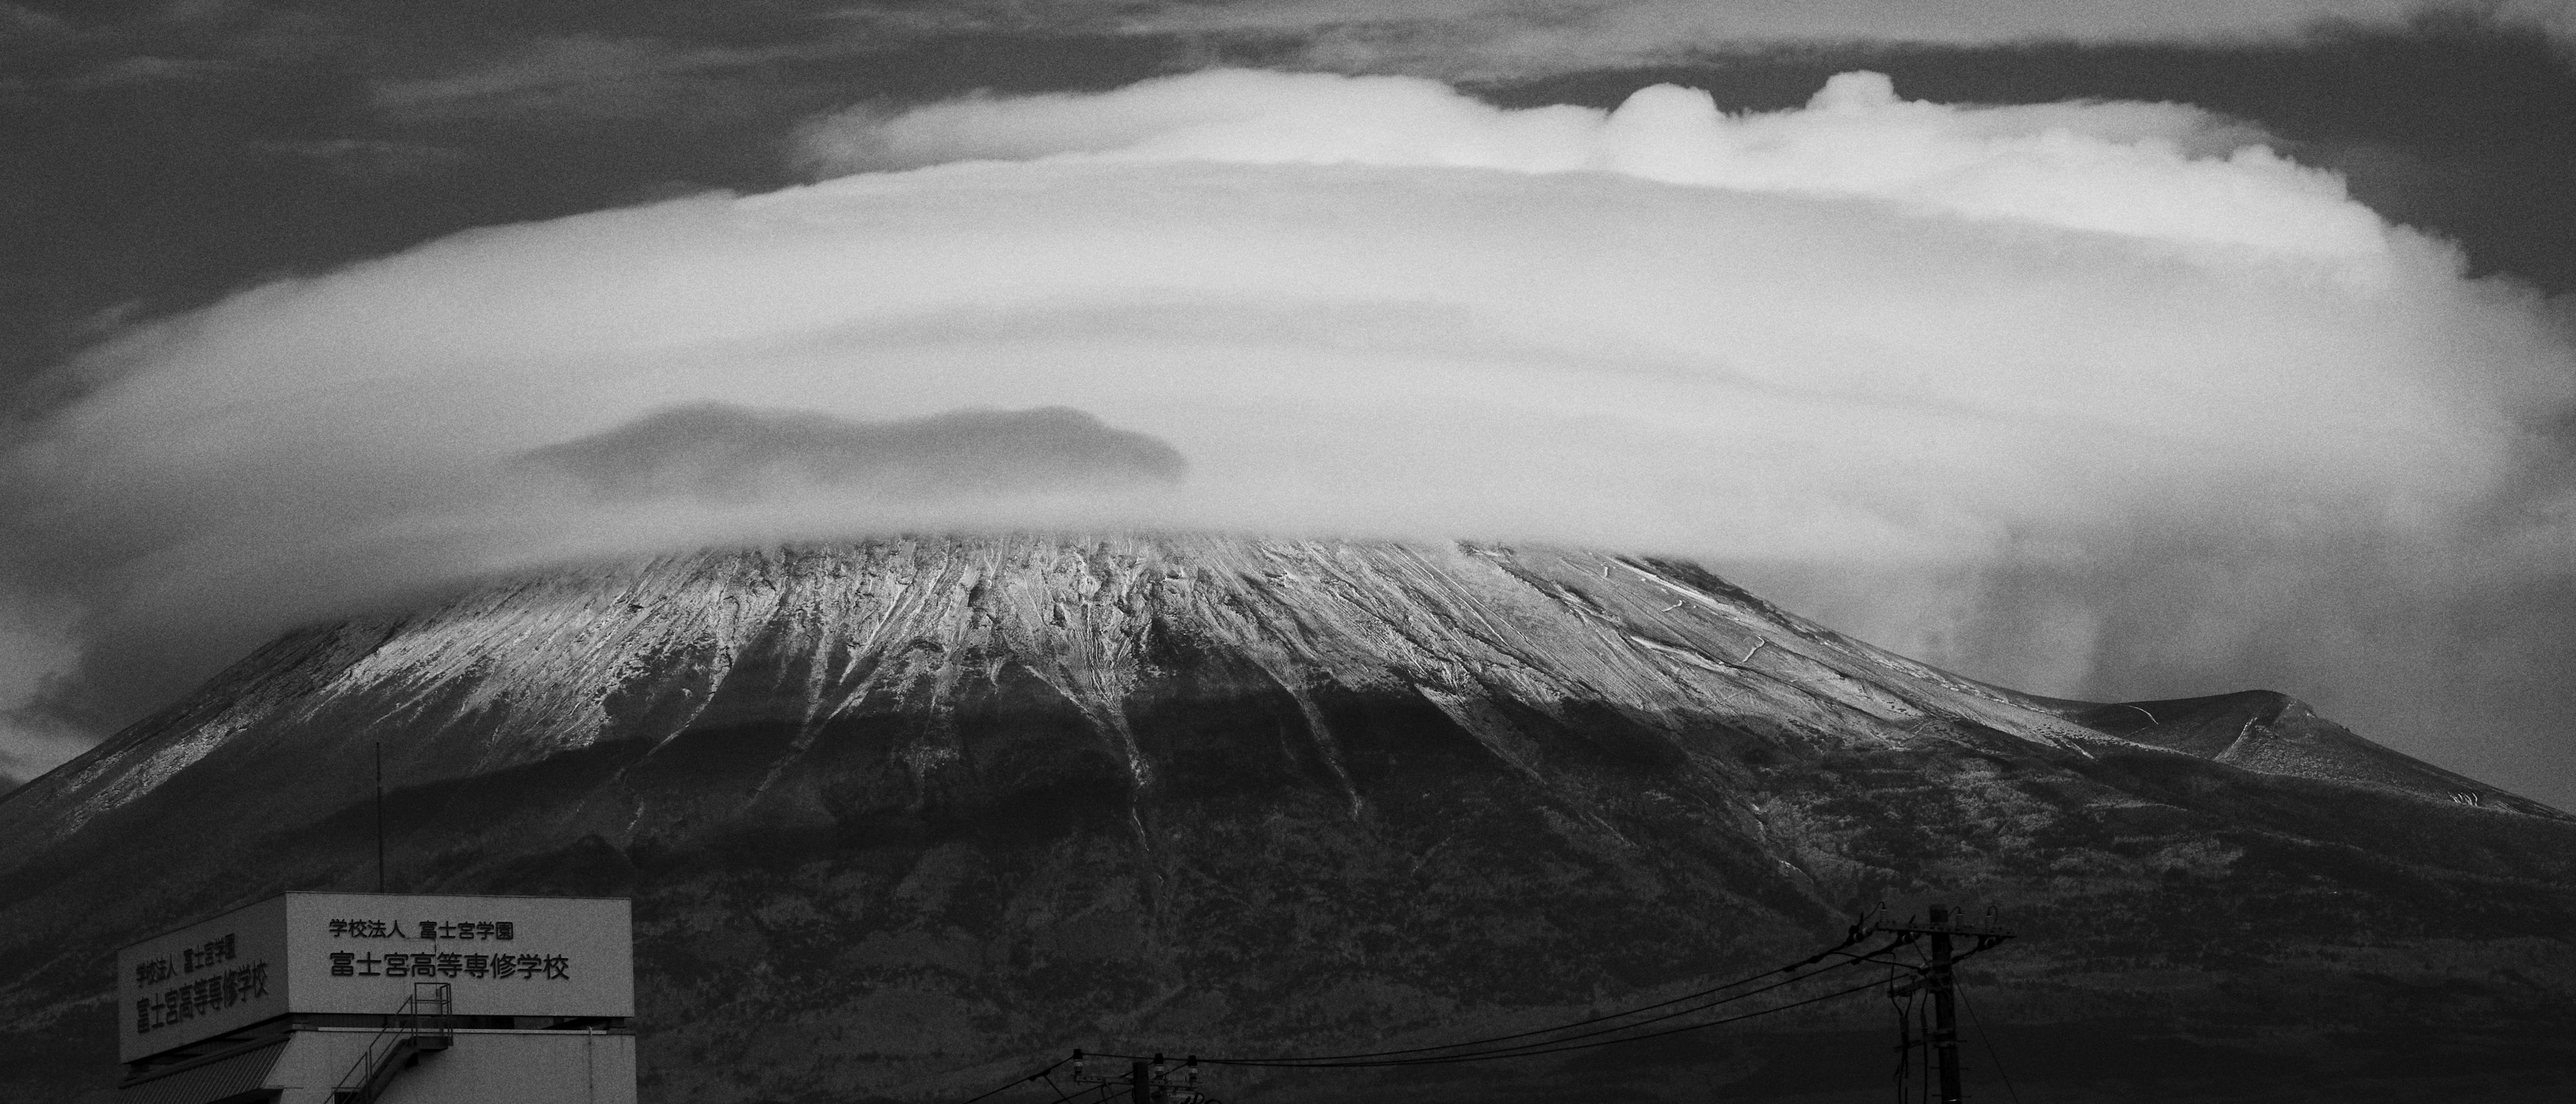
<point x="2100" y="349"/>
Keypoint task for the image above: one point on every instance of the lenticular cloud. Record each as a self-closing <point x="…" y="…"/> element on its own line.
<point x="2069" y="347"/>
<point x="2149" y="170"/>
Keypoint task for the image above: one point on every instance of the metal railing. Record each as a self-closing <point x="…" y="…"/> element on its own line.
<point x="423" y="1023"/>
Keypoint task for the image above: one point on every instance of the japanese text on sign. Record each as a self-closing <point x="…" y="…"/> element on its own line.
<point x="203" y="956"/>
<point x="526" y="967"/>
<point x="427" y="929"/>
<point x="208" y="995"/>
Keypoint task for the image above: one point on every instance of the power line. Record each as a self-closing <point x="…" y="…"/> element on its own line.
<point x="1987" y="1039"/>
<point x="1104" y="1091"/>
<point x="1006" y="1086"/>
<point x="1059" y="1089"/>
<point x="1510" y="1050"/>
<point x="1902" y="1003"/>
<point x="1554" y="1046"/>
<point x="1538" y="1049"/>
<point x="1550" y="1046"/>
<point x="1625" y="1032"/>
<point x="1857" y="935"/>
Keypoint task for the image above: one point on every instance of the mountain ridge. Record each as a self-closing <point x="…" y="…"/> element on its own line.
<point x="905" y="812"/>
<point x="2264" y="713"/>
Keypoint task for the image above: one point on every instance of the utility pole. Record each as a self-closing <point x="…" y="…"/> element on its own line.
<point x="380" y="816"/>
<point x="1145" y="1081"/>
<point x="1945" y="1017"/>
<point x="1938" y="978"/>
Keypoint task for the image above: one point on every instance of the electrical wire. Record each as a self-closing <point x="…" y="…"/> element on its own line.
<point x="1551" y="1046"/>
<point x="1104" y="1091"/>
<point x="1987" y="1039"/>
<point x="1748" y="979"/>
<point x="1604" y="1018"/>
<point x="1923" y="1069"/>
<point x="1423" y="1056"/>
<point x="1509" y="1051"/>
<point x="1873" y="959"/>
<point x="1536" y="1049"/>
<point x="1904" y="1009"/>
<point x="1017" y="1083"/>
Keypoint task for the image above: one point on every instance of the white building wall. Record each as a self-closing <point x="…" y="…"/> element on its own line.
<point x="482" y="1067"/>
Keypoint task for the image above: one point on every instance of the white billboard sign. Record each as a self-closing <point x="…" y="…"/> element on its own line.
<point x="202" y="980"/>
<point x="361" y="953"/>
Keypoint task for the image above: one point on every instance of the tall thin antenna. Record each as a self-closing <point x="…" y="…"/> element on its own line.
<point x="380" y="814"/>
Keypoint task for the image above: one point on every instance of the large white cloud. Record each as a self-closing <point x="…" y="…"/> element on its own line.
<point x="2130" y="168"/>
<point x="2087" y="344"/>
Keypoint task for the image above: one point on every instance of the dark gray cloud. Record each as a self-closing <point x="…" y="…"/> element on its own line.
<point x="308" y="136"/>
<point x="36" y="741"/>
<point x="364" y="159"/>
<point x="721" y="452"/>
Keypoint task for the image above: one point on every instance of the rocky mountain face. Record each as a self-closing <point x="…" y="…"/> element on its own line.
<point x="906" y="818"/>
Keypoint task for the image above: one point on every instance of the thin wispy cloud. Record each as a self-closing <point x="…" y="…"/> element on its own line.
<point x="581" y="75"/>
<point x="1501" y="38"/>
<point x="723" y="453"/>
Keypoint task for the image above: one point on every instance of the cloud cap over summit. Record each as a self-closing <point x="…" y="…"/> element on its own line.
<point x="2121" y="348"/>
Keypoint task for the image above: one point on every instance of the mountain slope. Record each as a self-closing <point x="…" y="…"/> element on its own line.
<point x="899" y="815"/>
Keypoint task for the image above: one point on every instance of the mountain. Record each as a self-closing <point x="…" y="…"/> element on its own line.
<point x="906" y="818"/>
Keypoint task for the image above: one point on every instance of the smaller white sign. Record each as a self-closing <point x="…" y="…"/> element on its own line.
<point x="201" y="981"/>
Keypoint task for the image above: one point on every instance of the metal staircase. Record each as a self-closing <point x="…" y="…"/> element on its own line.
<point x="423" y="1025"/>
